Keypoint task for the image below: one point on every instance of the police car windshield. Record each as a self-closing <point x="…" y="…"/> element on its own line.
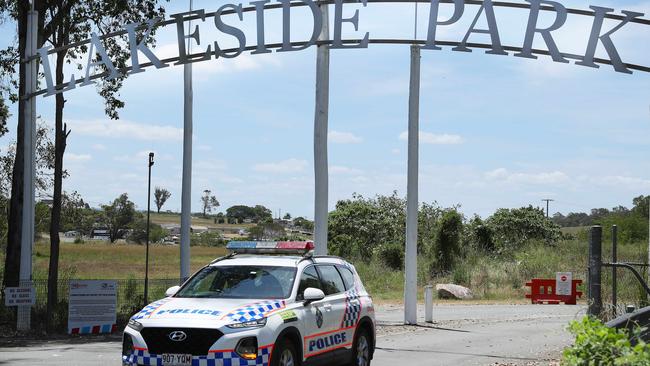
<point x="240" y="282"/>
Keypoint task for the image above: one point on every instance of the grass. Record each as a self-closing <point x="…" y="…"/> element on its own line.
<point x="100" y="260"/>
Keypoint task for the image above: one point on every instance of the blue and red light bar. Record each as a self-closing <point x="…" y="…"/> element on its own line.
<point x="270" y="247"/>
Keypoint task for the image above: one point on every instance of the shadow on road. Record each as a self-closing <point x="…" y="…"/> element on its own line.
<point x="57" y="341"/>
<point x="500" y="357"/>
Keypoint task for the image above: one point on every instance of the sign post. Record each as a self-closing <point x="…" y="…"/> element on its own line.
<point x="92" y="307"/>
<point x="410" y="259"/>
<point x="23" y="321"/>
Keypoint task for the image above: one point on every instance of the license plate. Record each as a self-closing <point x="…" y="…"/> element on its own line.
<point x="175" y="359"/>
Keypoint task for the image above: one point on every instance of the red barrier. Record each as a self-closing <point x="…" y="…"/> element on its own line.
<point x="542" y="291"/>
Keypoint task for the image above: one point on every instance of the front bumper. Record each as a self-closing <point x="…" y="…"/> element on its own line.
<point x="218" y="358"/>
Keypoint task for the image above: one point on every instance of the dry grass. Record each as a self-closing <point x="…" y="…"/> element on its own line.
<point x="100" y="260"/>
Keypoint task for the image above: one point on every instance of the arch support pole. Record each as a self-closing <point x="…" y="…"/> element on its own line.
<point x="321" y="176"/>
<point x="410" y="259"/>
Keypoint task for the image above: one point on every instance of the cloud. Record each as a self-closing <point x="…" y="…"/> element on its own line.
<point x="285" y="166"/>
<point x="77" y="158"/>
<point x="338" y="169"/>
<point x="204" y="148"/>
<point x="126" y="130"/>
<point x="504" y="175"/>
<point x="434" y="139"/>
<point x="338" y="137"/>
<point x="395" y="151"/>
<point x="99" y="147"/>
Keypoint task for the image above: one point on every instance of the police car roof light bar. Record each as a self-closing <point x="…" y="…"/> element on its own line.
<point x="270" y="247"/>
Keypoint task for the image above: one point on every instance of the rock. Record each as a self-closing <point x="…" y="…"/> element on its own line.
<point x="451" y="291"/>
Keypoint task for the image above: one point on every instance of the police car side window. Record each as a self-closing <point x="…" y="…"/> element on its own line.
<point x="332" y="281"/>
<point x="309" y="278"/>
<point x="348" y="277"/>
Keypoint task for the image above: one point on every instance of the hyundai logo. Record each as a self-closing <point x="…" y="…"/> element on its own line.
<point x="177" y="336"/>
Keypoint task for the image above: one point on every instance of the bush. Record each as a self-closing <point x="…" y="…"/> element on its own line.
<point x="513" y="228"/>
<point x="448" y="239"/>
<point x="391" y="255"/>
<point x="597" y="344"/>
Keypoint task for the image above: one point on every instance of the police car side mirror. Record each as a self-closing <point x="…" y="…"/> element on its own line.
<point x="172" y="291"/>
<point x="313" y="294"/>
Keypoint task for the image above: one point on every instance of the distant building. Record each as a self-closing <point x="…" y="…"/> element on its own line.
<point x="100" y="234"/>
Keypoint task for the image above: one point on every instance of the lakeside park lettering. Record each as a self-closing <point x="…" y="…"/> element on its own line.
<point x="212" y="50"/>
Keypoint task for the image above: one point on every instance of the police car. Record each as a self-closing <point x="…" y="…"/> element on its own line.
<point x="252" y="308"/>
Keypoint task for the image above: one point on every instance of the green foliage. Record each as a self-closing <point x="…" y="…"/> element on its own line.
<point x="255" y="214"/>
<point x="266" y="231"/>
<point x="209" y="202"/>
<point x="357" y="226"/>
<point x="479" y="234"/>
<point x="513" y="228"/>
<point x="596" y="344"/>
<point x="161" y="195"/>
<point x="207" y="239"/>
<point x="447" y="240"/>
<point x="391" y="255"/>
<point x="138" y="232"/>
<point x="118" y="216"/>
<point x="303" y="223"/>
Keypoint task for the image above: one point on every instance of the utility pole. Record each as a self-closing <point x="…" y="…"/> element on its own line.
<point x="146" y="266"/>
<point x="547" y="200"/>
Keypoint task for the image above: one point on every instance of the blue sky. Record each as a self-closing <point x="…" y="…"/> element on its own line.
<point x="496" y="131"/>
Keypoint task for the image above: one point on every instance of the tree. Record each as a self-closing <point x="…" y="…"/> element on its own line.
<point x="449" y="230"/>
<point x="118" y="216"/>
<point x="161" y="195"/>
<point x="209" y="202"/>
<point x="287" y="216"/>
<point x="266" y="231"/>
<point x="70" y="21"/>
<point x="641" y="205"/>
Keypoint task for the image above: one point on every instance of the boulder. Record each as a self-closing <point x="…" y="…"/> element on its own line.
<point x="451" y="291"/>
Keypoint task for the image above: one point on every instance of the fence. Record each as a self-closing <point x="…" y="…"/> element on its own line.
<point x="130" y="299"/>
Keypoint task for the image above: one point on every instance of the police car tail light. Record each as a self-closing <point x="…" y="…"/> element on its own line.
<point x="247" y="348"/>
<point x="270" y="247"/>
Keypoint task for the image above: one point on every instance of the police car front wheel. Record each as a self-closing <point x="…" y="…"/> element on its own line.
<point x="286" y="355"/>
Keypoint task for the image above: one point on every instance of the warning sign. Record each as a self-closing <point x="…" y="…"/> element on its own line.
<point x="563" y="281"/>
<point x="20" y="296"/>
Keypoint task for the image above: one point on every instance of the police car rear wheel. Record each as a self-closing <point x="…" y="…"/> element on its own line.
<point x="286" y="355"/>
<point x="361" y="350"/>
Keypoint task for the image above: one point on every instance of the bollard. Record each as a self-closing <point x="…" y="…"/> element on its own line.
<point x="428" y="304"/>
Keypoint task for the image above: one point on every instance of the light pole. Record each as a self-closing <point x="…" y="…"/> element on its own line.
<point x="146" y="261"/>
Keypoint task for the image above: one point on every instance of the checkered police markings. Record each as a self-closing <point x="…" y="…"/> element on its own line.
<point x="214" y="358"/>
<point x="352" y="309"/>
<point x="255" y="311"/>
<point x="149" y="309"/>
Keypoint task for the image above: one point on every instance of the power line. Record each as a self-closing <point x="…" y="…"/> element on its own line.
<point x="547" y="200"/>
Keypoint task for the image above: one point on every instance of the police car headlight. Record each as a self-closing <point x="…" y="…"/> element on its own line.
<point x="251" y="324"/>
<point x="133" y="324"/>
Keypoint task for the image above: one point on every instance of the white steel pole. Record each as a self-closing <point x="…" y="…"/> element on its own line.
<point x="29" y="196"/>
<point x="186" y="194"/>
<point x="411" y="265"/>
<point x="321" y="179"/>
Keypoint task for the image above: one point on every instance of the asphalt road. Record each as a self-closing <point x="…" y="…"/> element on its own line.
<point x="460" y="335"/>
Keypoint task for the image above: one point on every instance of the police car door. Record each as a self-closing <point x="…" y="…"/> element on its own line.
<point x="313" y="319"/>
<point x="333" y="338"/>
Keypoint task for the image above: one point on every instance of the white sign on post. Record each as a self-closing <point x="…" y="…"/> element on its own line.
<point x="92" y="307"/>
<point x="563" y="283"/>
<point x="20" y="296"/>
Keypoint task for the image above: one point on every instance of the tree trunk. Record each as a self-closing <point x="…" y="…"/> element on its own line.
<point x="60" y="140"/>
<point x="14" y="230"/>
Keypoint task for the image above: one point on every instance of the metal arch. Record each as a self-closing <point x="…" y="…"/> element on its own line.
<point x="501" y="4"/>
<point x="384" y="41"/>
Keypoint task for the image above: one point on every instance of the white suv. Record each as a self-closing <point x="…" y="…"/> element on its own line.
<point x="249" y="308"/>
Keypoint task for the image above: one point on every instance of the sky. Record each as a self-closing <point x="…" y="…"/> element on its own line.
<point x="496" y="131"/>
